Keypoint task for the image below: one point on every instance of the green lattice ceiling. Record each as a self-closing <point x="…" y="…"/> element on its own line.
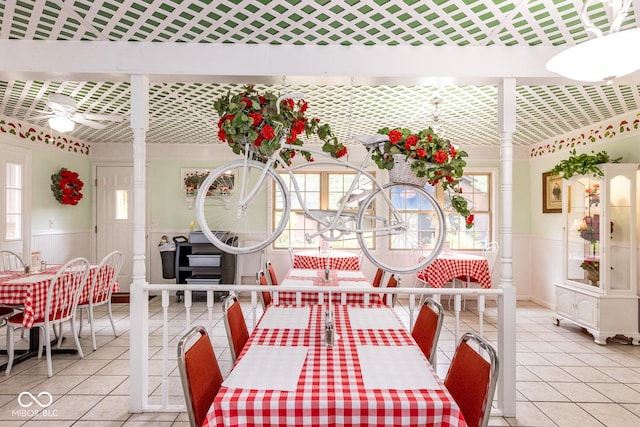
<point x="183" y="112"/>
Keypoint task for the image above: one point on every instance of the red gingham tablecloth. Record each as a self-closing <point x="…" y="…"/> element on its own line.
<point x="330" y="389"/>
<point x="338" y="260"/>
<point x="291" y="298"/>
<point x="447" y="267"/>
<point x="33" y="296"/>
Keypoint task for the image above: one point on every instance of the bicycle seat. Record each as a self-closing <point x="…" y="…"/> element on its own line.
<point x="370" y="141"/>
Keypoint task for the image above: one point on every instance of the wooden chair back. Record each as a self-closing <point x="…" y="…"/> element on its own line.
<point x="104" y="278"/>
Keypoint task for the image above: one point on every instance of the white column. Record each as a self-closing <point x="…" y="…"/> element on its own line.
<point x="138" y="310"/>
<point x="507" y="308"/>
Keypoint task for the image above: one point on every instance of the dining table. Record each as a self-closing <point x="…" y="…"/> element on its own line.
<point x="448" y="266"/>
<point x="315" y="278"/>
<point x="28" y="292"/>
<point x="317" y="259"/>
<point x="373" y="374"/>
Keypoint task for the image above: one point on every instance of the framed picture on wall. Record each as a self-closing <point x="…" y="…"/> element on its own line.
<point x="551" y="193"/>
<point x="192" y="179"/>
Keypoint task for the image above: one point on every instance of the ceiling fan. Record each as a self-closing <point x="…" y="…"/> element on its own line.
<point x="62" y="114"/>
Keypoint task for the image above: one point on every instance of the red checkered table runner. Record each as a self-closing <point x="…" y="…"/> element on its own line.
<point x="291" y="298"/>
<point x="449" y="266"/>
<point x="330" y="389"/>
<point x="338" y="260"/>
<point x="33" y="296"/>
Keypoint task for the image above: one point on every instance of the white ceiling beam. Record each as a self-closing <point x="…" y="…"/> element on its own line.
<point x="115" y="61"/>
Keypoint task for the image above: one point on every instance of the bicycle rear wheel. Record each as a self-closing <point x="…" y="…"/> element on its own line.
<point x="235" y="225"/>
<point x="401" y="228"/>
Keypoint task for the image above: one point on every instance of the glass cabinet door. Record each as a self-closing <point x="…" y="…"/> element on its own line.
<point x="619" y="234"/>
<point x="583" y="231"/>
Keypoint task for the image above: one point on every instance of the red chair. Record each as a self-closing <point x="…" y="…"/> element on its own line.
<point x="61" y="303"/>
<point x="377" y="280"/>
<point x="265" y="297"/>
<point x="236" y="326"/>
<point x="103" y="280"/>
<point x="392" y="283"/>
<point x="200" y="374"/>
<point x="471" y="379"/>
<point x="426" y="329"/>
<point x="272" y="278"/>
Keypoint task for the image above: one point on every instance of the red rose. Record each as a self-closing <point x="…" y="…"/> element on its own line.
<point x="262" y="99"/>
<point x="268" y="132"/>
<point x="292" y="137"/>
<point x="341" y="152"/>
<point x="304" y="106"/>
<point x="64" y="173"/>
<point x="421" y="152"/>
<point x="440" y="156"/>
<point x="395" y="136"/>
<point x="258" y="141"/>
<point x="247" y="102"/>
<point x="469" y="219"/>
<point x="430" y="137"/>
<point x="222" y="135"/>
<point x="452" y="151"/>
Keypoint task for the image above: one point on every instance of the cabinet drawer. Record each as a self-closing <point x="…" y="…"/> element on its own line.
<point x="204" y="279"/>
<point x="204" y="260"/>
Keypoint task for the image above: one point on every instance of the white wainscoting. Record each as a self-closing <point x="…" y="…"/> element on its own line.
<point x="60" y="246"/>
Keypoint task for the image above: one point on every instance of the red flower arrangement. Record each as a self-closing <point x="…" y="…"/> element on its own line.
<point x="66" y="187"/>
<point x="251" y="120"/>
<point x="433" y="157"/>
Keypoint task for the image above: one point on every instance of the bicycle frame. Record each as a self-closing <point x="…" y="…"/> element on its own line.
<point x="336" y="224"/>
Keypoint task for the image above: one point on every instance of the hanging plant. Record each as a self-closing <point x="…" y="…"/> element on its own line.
<point x="66" y="187"/>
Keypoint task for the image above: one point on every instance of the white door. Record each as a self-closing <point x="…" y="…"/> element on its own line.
<point x="114" y="217"/>
<point x="15" y="225"/>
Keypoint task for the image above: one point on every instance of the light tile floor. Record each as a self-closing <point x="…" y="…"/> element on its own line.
<point x="563" y="378"/>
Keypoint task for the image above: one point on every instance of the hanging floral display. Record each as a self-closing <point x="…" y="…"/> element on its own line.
<point x="66" y="187"/>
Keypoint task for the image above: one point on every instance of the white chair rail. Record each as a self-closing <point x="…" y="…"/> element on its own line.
<point x="156" y="397"/>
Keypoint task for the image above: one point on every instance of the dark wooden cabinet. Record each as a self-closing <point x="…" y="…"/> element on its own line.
<point x="203" y="263"/>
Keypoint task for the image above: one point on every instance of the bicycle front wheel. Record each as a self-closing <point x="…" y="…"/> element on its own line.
<point x="233" y="205"/>
<point x="401" y="228"/>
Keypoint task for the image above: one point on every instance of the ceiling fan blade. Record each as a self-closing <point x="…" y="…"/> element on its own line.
<point x="78" y="119"/>
<point x="92" y="116"/>
<point x="44" y="116"/>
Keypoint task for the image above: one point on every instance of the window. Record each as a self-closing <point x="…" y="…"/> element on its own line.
<point x="324" y="190"/>
<point x="13" y="201"/>
<point x="476" y="188"/>
<point x="320" y="191"/>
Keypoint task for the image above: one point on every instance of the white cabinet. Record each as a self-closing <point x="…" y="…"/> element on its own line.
<point x="599" y="289"/>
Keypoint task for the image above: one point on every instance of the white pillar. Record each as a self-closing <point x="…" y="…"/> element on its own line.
<point x="138" y="309"/>
<point x="507" y="309"/>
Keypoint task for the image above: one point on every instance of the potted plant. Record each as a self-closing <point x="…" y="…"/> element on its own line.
<point x="251" y="120"/>
<point x="583" y="164"/>
<point x="430" y="157"/>
<point x="592" y="267"/>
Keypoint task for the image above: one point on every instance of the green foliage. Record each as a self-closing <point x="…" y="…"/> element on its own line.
<point x="583" y="164"/>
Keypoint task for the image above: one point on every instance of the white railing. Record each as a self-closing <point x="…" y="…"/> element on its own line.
<point x="160" y="392"/>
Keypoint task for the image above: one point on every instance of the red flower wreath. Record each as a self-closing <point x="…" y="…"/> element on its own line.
<point x="66" y="187"/>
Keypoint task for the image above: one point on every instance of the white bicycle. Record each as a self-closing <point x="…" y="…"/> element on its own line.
<point x="400" y="227"/>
